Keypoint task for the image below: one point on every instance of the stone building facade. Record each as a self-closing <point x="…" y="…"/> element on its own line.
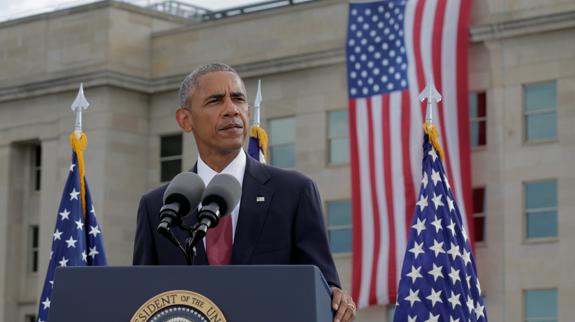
<point x="132" y="59"/>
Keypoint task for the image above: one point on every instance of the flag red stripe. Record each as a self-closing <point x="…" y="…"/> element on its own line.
<point x="437" y="73"/>
<point x="463" y="115"/>
<point x="392" y="273"/>
<point x="405" y="149"/>
<point x="375" y="202"/>
<point x="417" y="21"/>
<point x="355" y="193"/>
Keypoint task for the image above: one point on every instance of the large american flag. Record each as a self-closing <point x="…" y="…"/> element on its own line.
<point x="439" y="277"/>
<point x="77" y="238"/>
<point x="393" y="48"/>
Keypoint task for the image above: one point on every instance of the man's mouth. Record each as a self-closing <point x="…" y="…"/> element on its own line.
<point x="231" y="126"/>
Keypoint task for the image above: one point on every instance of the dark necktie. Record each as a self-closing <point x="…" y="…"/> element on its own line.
<point x="219" y="242"/>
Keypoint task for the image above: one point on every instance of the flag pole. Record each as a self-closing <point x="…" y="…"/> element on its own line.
<point x="258" y="144"/>
<point x="257" y="104"/>
<point x="80" y="103"/>
<point x="432" y="96"/>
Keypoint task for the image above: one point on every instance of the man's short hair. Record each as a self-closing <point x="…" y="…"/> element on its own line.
<point x="191" y="81"/>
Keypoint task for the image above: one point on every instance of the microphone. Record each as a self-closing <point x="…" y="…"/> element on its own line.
<point x="220" y="197"/>
<point x="182" y="194"/>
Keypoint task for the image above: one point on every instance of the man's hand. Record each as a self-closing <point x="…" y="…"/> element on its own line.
<point x="342" y="305"/>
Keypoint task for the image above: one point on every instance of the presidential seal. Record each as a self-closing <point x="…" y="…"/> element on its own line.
<point x="178" y="306"/>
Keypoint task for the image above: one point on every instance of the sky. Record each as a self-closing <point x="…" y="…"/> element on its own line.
<point x="19" y="8"/>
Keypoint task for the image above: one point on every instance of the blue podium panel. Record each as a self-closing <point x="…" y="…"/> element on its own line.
<point x="191" y="293"/>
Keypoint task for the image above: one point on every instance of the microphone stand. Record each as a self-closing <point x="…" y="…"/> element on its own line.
<point x="169" y="234"/>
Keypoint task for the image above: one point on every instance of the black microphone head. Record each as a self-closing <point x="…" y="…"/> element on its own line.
<point x="186" y="189"/>
<point x="225" y="190"/>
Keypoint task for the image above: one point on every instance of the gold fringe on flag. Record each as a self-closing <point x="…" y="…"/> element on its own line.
<point x="260" y="134"/>
<point x="433" y="134"/>
<point x="79" y="145"/>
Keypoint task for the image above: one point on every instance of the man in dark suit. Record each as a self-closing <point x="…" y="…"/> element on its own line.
<point x="279" y="218"/>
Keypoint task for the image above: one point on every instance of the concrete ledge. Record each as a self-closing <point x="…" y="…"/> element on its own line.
<point x="520" y="27"/>
<point x="97" y="5"/>
<point x="70" y="82"/>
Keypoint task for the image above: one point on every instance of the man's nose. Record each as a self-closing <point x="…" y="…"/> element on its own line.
<point x="231" y="108"/>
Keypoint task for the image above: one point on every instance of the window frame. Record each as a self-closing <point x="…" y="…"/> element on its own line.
<point x="36" y="167"/>
<point x="525" y="114"/>
<point x="478" y="120"/>
<point x="329" y="228"/>
<point x="537" y="240"/>
<point x="271" y="146"/>
<point x="174" y="157"/>
<point x="330" y="139"/>
<point x="538" y="319"/>
<point x="33" y="256"/>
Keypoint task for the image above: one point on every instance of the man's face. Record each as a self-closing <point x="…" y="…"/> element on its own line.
<point x="218" y="113"/>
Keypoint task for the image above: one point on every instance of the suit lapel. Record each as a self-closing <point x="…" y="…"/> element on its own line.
<point x="255" y="201"/>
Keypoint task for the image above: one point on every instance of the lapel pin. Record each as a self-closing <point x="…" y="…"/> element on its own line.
<point x="260" y="199"/>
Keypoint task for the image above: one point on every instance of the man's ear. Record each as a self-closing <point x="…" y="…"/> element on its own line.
<point x="184" y="119"/>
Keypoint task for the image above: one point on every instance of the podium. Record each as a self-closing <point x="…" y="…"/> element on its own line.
<point x="191" y="293"/>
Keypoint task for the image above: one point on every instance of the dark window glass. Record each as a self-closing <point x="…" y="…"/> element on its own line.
<point x="170" y="169"/>
<point x="171" y="145"/>
<point x="37" y="169"/>
<point x="479" y="213"/>
<point x="34" y="243"/>
<point x="170" y="156"/>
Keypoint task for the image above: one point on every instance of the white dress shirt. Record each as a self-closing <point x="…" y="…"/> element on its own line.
<point x="237" y="169"/>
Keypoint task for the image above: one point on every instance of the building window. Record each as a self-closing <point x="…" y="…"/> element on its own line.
<point x="33" y="241"/>
<point x="30" y="318"/>
<point x="339" y="227"/>
<point x="540" y="305"/>
<point x="478" y="118"/>
<point x="37" y="166"/>
<point x="541" y="208"/>
<point x="282" y="142"/>
<point x="540" y="111"/>
<point x="338" y="137"/>
<point x="479" y="213"/>
<point x="170" y="156"/>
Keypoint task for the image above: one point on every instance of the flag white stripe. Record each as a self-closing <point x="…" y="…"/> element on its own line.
<point x="366" y="205"/>
<point x="382" y="267"/>
<point x="398" y="177"/>
<point x="415" y="131"/>
<point x="426" y="39"/>
<point x="449" y="54"/>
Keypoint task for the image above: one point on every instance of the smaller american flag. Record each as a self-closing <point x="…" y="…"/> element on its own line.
<point x="258" y="143"/>
<point x="77" y="239"/>
<point x="439" y="278"/>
